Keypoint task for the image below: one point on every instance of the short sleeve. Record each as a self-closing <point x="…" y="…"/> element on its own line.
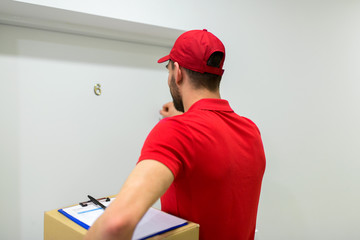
<point x="169" y="142"/>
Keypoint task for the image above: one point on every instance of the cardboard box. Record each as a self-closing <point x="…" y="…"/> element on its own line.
<point x="59" y="227"/>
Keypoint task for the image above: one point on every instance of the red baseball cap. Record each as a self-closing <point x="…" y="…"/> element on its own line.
<point x="192" y="50"/>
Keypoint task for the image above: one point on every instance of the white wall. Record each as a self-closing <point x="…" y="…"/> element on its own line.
<point x="59" y="140"/>
<point x="292" y="66"/>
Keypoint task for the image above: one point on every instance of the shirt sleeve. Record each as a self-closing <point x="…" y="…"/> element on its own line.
<point x="169" y="142"/>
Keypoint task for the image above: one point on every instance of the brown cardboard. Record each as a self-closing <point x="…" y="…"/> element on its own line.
<point x="59" y="227"/>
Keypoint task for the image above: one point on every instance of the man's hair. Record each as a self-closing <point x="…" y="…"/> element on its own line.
<point x="208" y="81"/>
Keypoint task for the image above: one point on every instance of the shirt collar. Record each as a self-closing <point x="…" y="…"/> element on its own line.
<point x="212" y="104"/>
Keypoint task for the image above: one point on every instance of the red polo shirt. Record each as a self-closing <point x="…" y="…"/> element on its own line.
<point x="218" y="161"/>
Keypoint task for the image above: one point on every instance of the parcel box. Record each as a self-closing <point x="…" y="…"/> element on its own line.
<point x="59" y="227"/>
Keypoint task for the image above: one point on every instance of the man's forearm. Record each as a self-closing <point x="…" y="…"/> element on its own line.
<point x="109" y="227"/>
<point x="147" y="182"/>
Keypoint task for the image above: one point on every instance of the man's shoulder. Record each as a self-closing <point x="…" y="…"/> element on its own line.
<point x="172" y="122"/>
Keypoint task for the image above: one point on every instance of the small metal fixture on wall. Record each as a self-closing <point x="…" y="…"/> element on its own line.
<point x="97" y="89"/>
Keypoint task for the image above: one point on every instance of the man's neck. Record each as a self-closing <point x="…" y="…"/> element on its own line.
<point x="192" y="96"/>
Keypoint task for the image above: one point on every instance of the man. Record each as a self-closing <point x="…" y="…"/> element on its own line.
<point x="206" y="164"/>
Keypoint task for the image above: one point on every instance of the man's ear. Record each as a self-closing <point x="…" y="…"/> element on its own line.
<point x="178" y="73"/>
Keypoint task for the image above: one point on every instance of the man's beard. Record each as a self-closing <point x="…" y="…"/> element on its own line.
<point x="175" y="94"/>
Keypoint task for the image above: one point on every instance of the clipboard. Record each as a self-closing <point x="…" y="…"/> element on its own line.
<point x="153" y="223"/>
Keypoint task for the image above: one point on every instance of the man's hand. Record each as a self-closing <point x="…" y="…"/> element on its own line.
<point x="168" y="110"/>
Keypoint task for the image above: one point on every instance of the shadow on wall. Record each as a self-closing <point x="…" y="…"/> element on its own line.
<point x="77" y="48"/>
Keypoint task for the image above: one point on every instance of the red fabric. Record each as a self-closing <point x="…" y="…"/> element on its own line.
<point x="218" y="162"/>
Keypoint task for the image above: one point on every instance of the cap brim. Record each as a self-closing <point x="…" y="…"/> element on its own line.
<point x="164" y="59"/>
